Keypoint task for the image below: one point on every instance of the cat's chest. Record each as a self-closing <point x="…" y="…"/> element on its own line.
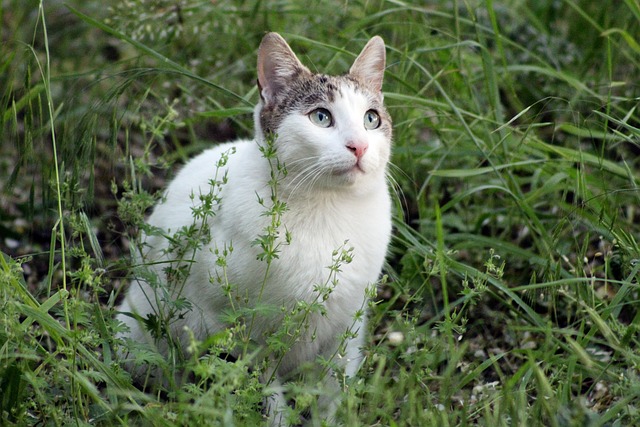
<point x="330" y="224"/>
<point x="316" y="243"/>
<point x="333" y="240"/>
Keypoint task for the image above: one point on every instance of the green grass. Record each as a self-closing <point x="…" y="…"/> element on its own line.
<point x="512" y="293"/>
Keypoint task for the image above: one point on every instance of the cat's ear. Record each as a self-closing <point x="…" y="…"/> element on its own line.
<point x="368" y="67"/>
<point x="277" y="65"/>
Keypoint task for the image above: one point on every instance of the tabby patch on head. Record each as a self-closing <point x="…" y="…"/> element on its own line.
<point x="330" y="129"/>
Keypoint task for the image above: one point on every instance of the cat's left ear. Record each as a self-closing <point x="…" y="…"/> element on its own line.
<point x="368" y="67"/>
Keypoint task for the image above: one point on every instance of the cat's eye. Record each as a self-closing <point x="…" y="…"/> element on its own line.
<point x="321" y="117"/>
<point x="371" y="120"/>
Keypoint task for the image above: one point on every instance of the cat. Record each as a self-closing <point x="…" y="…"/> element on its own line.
<point x="330" y="138"/>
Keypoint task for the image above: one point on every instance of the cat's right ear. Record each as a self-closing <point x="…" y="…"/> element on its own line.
<point x="277" y="66"/>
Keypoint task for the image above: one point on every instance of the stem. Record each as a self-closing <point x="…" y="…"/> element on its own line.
<point x="60" y="222"/>
<point x="46" y="77"/>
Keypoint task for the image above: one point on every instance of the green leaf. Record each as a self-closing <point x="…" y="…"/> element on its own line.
<point x="633" y="44"/>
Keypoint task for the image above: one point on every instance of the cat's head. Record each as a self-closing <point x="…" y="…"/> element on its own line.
<point x="331" y="131"/>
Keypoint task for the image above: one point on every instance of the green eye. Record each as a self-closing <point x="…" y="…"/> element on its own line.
<point x="371" y="120"/>
<point x="321" y="117"/>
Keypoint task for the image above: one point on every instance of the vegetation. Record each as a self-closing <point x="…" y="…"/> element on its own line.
<point x="511" y="294"/>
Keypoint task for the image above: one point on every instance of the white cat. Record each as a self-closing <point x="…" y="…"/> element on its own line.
<point x="333" y="139"/>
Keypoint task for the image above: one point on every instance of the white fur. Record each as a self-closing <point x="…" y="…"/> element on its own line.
<point x="323" y="211"/>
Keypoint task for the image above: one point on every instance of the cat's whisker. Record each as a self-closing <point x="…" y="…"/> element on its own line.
<point x="301" y="160"/>
<point x="396" y="188"/>
<point x="292" y="168"/>
<point x="309" y="176"/>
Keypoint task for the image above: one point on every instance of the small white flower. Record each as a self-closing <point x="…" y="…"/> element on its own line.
<point x="395" y="337"/>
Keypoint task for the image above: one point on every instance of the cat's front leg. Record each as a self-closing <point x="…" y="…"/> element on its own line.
<point x="350" y="362"/>
<point x="353" y="356"/>
<point x="276" y="403"/>
<point x="329" y="400"/>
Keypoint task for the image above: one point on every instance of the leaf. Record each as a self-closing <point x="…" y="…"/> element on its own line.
<point x="625" y="35"/>
<point x="21" y="103"/>
<point x="465" y="173"/>
<point x="587" y="133"/>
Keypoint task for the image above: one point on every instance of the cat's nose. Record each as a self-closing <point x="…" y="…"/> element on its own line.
<point x="358" y="148"/>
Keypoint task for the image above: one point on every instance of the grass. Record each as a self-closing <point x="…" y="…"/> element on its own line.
<point x="512" y="290"/>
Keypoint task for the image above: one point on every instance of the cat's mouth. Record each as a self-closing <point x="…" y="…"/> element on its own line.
<point x="350" y="171"/>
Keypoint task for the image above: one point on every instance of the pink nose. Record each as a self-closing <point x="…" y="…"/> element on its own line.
<point x="358" y="148"/>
